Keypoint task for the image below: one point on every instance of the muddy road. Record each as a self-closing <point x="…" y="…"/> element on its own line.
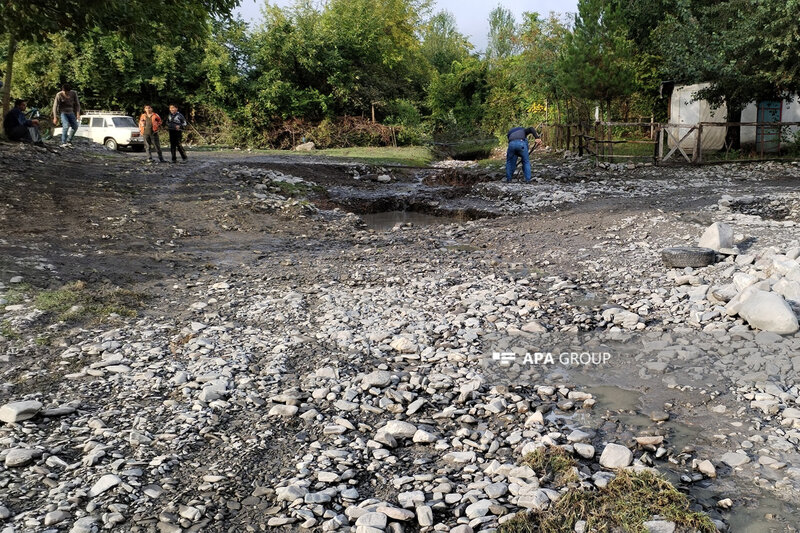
<point x="226" y="331"/>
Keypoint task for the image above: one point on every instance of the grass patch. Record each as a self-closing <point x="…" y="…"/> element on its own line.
<point x="7" y="331"/>
<point x="75" y="301"/>
<point x="625" y="504"/>
<point x="553" y="463"/>
<point x="413" y="156"/>
<point x="17" y="293"/>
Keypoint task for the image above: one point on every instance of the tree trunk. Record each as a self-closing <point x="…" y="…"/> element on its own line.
<point x="12" y="48"/>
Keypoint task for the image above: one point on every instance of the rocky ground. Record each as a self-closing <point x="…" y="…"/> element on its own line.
<point x="226" y="345"/>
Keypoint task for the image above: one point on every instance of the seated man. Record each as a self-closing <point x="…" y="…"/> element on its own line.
<point x="19" y="128"/>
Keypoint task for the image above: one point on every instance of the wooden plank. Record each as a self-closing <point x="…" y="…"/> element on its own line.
<point x="678" y="145"/>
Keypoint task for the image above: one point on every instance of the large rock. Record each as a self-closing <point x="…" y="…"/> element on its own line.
<point x="616" y="456"/>
<point x="768" y="311"/>
<point x="17" y="457"/>
<point x="399" y="429"/>
<point x="403" y="345"/>
<point x="14" y="412"/>
<point x="305" y="147"/>
<point x="103" y="484"/>
<point x="718" y="235"/>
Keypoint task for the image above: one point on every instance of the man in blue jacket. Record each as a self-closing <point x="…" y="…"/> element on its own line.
<point x="18" y="127"/>
<point x="518" y="147"/>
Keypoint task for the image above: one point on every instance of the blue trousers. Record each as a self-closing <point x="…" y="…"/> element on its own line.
<point x="68" y="120"/>
<point x="518" y="148"/>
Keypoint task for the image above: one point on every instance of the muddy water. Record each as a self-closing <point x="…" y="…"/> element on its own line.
<point x="754" y="512"/>
<point x="387" y="220"/>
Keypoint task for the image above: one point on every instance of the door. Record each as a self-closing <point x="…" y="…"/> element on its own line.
<point x="84" y="128"/>
<point x="98" y="123"/>
<point x="768" y="138"/>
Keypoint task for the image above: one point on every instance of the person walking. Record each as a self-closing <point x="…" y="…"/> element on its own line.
<point x="518" y="147"/>
<point x="18" y="127"/>
<point x="149" y="123"/>
<point x="67" y="107"/>
<point x="176" y="123"/>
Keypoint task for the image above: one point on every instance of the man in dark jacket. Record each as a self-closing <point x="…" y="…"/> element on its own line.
<point x="18" y="127"/>
<point x="518" y="147"/>
<point x="176" y="123"/>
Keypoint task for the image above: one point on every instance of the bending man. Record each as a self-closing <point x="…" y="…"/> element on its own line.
<point x="518" y="147"/>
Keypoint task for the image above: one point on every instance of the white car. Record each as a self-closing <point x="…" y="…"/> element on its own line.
<point x="112" y="129"/>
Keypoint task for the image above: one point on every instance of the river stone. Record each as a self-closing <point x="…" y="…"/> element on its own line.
<point x="55" y="517"/>
<point x="706" y="468"/>
<point x="478" y="509"/>
<point x="84" y="525"/>
<point x="768" y="311"/>
<point x="395" y="513"/>
<point x="283" y="410"/>
<point x="291" y="493"/>
<point x="584" y="450"/>
<point x="376" y="520"/>
<point x="460" y="457"/>
<point x="305" y="147"/>
<point x="399" y="429"/>
<point x="496" y="490"/>
<point x="659" y="526"/>
<point x="14" y="412"/>
<point x="616" y="456"/>
<point x="734" y="459"/>
<point x="17" y="457"/>
<point x="718" y="235"/>
<point x="424" y="516"/>
<point x="103" y="484"/>
<point x="403" y="345"/>
<point x="379" y="378"/>
<point x="536" y="500"/>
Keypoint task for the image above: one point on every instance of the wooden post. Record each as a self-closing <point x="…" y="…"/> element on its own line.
<point x="372" y="106"/>
<point x="610" y="134"/>
<point x="580" y="142"/>
<point x="652" y="118"/>
<point x="661" y="144"/>
<point x="698" y="148"/>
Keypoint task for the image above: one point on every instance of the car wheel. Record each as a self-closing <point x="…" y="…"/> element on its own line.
<point x="687" y="256"/>
<point x="111" y="144"/>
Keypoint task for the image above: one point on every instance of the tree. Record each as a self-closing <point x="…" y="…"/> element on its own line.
<point x="442" y="44"/>
<point x="502" y="34"/>
<point x="32" y="21"/>
<point x="598" y="61"/>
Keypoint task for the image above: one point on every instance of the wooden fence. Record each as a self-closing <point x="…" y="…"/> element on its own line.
<point x="662" y="143"/>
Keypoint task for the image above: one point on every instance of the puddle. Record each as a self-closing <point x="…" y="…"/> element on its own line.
<point x="388" y="219"/>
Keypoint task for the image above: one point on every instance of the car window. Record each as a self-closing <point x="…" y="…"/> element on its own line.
<point x="123" y="122"/>
<point x="97" y="122"/>
<point x="85" y="121"/>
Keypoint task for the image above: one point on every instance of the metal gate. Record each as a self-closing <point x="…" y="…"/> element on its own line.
<point x="768" y="138"/>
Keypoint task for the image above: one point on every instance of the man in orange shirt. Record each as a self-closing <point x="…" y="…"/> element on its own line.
<point x="149" y="123"/>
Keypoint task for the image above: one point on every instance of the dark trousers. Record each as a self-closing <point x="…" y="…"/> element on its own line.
<point x="150" y="140"/>
<point x="19" y="133"/>
<point x="175" y="137"/>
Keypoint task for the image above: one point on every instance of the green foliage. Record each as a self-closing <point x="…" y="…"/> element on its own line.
<point x="502" y="42"/>
<point x="456" y="99"/>
<point x="442" y="44"/>
<point x="598" y="60"/>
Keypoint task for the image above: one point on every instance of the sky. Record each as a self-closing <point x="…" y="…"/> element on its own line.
<point x="471" y="15"/>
